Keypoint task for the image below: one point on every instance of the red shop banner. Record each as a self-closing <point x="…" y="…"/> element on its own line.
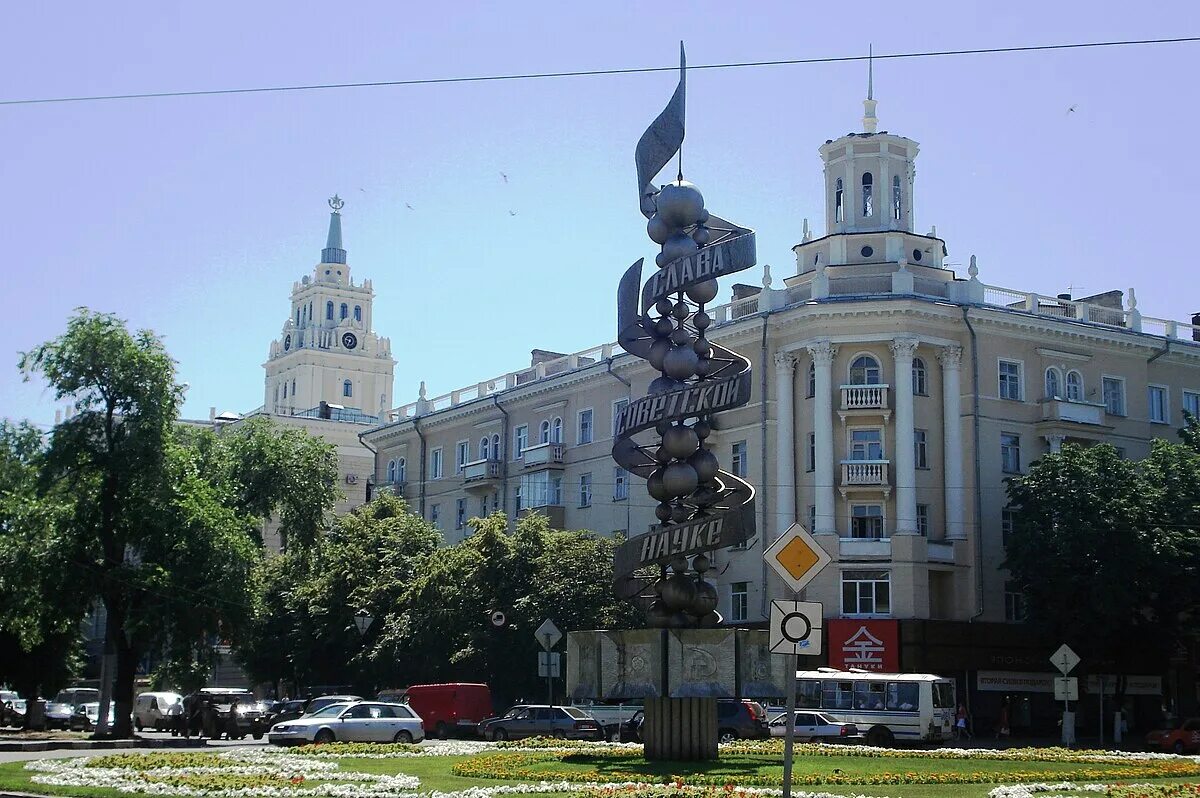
<point x="869" y="645"/>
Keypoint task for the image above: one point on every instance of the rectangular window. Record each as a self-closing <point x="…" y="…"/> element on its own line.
<point x="517" y="505"/>
<point x="866" y="521"/>
<point x="618" y="406"/>
<point x="1191" y="404"/>
<point x="1014" y="603"/>
<point x="585" y="426"/>
<point x="866" y="593"/>
<point x="810" y="462"/>
<point x="923" y="520"/>
<point x="866" y="444"/>
<point x="920" y="449"/>
<point x="620" y="484"/>
<point x="1114" y="395"/>
<point x="483" y="507"/>
<point x="520" y="441"/>
<point x="737" y="462"/>
<point x="739" y="600"/>
<point x="462" y="453"/>
<point x="812" y="517"/>
<point x="1010" y="453"/>
<point x="460" y="513"/>
<point x="541" y="489"/>
<point x="435" y="463"/>
<point x="1010" y="380"/>
<point x="1159" y="412"/>
<point x="435" y="512"/>
<point x="585" y="490"/>
<point x="1008" y="519"/>
<point x="496" y="502"/>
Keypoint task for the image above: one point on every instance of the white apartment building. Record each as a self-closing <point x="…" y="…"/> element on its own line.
<point x="892" y="397"/>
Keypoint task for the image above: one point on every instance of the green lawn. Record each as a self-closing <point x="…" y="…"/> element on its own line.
<point x="435" y="772"/>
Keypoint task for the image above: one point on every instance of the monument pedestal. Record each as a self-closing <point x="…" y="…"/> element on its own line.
<point x="680" y="729"/>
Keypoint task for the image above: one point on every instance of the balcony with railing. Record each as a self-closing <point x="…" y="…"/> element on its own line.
<point x="1076" y="412"/>
<point x="864" y="397"/>
<point x="544" y="454"/>
<point x="940" y="551"/>
<point x="482" y="474"/>
<point x="864" y="473"/>
<point x="854" y="548"/>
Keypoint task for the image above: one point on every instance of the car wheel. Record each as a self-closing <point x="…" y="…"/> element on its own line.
<point x="402" y="736"/>
<point x="1178" y="747"/>
<point x="499" y="735"/>
<point x="880" y="736"/>
<point x="138" y="725"/>
<point x="323" y="737"/>
<point x="727" y="735"/>
<point x="615" y="737"/>
<point x="559" y="734"/>
<point x="258" y="735"/>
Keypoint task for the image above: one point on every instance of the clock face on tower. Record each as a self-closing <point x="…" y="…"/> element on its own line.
<point x="287" y="342"/>
<point x="349" y="340"/>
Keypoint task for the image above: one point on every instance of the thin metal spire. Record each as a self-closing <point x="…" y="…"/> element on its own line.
<point x="334" y="252"/>
<point x="870" y="123"/>
<point x="870" y="72"/>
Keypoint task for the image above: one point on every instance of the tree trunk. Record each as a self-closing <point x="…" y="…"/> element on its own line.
<point x="122" y="725"/>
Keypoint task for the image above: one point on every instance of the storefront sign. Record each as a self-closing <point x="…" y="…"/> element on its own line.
<point x="870" y="645"/>
<point x="1134" y="685"/>
<point x="1015" y="682"/>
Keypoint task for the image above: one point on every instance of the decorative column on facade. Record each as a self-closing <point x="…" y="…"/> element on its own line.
<point x="823" y="353"/>
<point x="1056" y="442"/>
<point x="785" y="441"/>
<point x="903" y="350"/>
<point x="952" y="451"/>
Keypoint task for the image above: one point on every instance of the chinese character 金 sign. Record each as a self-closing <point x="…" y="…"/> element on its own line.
<point x="869" y="645"/>
<point x="662" y="437"/>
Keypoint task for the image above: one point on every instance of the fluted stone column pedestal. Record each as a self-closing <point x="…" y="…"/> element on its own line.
<point x="680" y="729"/>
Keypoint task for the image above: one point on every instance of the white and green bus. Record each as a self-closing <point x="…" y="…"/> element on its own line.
<point x="886" y="707"/>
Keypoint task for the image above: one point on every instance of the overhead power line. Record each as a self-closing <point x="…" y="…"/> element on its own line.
<point x="598" y="72"/>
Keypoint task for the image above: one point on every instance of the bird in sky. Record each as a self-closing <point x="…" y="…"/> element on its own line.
<point x="504" y="176"/>
<point x="512" y="213"/>
<point x="411" y="208"/>
<point x="1071" y="110"/>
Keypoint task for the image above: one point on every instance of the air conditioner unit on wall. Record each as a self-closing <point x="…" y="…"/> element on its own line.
<point x="351" y="479"/>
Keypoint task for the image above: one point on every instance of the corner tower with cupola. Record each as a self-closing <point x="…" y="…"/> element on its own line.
<point x="327" y="353"/>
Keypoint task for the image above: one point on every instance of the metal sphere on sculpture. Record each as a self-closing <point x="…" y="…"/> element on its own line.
<point x="664" y="327"/>
<point x="702" y="292"/>
<point x="701" y="563"/>
<point x="679" y="479"/>
<point x="681" y="310"/>
<point x="655" y="486"/>
<point x="702" y="429"/>
<point x="705" y="600"/>
<point x="662" y="456"/>
<point x="658" y="351"/>
<point x="664" y="306"/>
<point x="705" y="463"/>
<point x="658" y="230"/>
<point x="681" y="337"/>
<point x="679" y="592"/>
<point x="680" y="513"/>
<point x="680" y="441"/>
<point x="701" y="235"/>
<point x="663" y="512"/>
<point x="663" y="384"/>
<point x="679" y="564"/>
<point x="702" y="347"/>
<point x="679" y="245"/>
<point x="680" y="204"/>
<point x="680" y="362"/>
<point x="701" y="320"/>
<point x="657" y="615"/>
<point x="703" y="366"/>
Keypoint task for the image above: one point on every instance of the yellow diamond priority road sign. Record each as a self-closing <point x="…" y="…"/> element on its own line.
<point x="796" y="556"/>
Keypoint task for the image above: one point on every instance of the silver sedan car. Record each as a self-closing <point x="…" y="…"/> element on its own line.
<point x="359" y="721"/>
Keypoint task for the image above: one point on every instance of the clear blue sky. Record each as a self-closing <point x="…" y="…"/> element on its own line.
<point x="193" y="216"/>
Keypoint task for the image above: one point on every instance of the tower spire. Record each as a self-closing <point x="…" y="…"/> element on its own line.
<point x="870" y="123"/>
<point x="333" y="252"/>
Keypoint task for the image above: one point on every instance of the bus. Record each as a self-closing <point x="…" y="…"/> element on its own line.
<point x="911" y="707"/>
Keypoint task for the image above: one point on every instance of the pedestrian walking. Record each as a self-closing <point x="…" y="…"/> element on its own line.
<point x="962" y="725"/>
<point x="1002" y="729"/>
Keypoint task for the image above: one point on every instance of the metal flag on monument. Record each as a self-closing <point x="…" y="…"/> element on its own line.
<point x="662" y="437"/>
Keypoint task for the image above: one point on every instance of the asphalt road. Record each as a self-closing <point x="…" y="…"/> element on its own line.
<point x="213" y="745"/>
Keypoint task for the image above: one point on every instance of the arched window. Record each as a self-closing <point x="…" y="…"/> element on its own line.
<point x="919" y="377"/>
<point x="838" y="213"/>
<point x="868" y="201"/>
<point x="297" y="317"/>
<point x="391" y="472"/>
<point x="544" y="437"/>
<point x="347" y="388"/>
<point x="896" y="202"/>
<point x="276" y="394"/>
<point x="329" y="310"/>
<point x="345" y="311"/>
<point x="485" y="448"/>
<point x="865" y="371"/>
<point x="358" y="312"/>
<point x="284" y="389"/>
<point x="400" y="470"/>
<point x="1053" y="383"/>
<point x="293" y="387"/>
<point x="1074" y="386"/>
<point x="812" y="378"/>
<point x="495" y="447"/>
<point x="556" y="431"/>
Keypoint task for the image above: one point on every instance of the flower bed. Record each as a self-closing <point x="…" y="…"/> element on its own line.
<point x="1053" y="754"/>
<point x="1069" y="789"/>
<point x="387" y="750"/>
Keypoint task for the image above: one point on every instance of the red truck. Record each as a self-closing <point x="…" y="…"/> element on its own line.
<point x="447" y="709"/>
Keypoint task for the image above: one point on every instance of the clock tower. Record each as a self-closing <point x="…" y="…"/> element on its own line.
<point x="327" y="351"/>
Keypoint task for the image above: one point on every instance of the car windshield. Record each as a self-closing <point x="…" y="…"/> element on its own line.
<point x="512" y="713"/>
<point x="329" y="711"/>
<point x="943" y="694"/>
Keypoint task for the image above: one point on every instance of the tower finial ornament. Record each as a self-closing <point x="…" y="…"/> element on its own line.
<point x="336" y="203"/>
<point x="870" y="123"/>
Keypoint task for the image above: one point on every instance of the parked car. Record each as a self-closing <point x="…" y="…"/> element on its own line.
<point x="449" y="708"/>
<point x="320" y="702"/>
<point x="59" y="711"/>
<point x="814" y="726"/>
<point x="569" y="723"/>
<point x="628" y="732"/>
<point x="156" y="711"/>
<point x="8" y="711"/>
<point x="1182" y="737"/>
<point x="86" y="715"/>
<point x="741" y="720"/>
<point x="287" y="710"/>
<point x="238" y="712"/>
<point x="359" y="721"/>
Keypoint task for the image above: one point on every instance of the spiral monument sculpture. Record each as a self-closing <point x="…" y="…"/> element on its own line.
<point x="663" y="436"/>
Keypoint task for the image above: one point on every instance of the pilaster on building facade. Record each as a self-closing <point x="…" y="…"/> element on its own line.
<point x="891" y="399"/>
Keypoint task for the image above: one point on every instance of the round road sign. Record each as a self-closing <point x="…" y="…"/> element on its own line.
<point x="796" y="627"/>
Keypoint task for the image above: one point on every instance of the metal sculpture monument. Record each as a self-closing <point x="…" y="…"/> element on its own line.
<point x="686" y="660"/>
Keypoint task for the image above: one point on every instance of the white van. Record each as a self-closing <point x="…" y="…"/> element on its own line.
<point x="156" y="710"/>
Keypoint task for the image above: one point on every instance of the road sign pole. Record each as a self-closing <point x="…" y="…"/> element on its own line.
<point x="549" y="670"/>
<point x="788" y="741"/>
